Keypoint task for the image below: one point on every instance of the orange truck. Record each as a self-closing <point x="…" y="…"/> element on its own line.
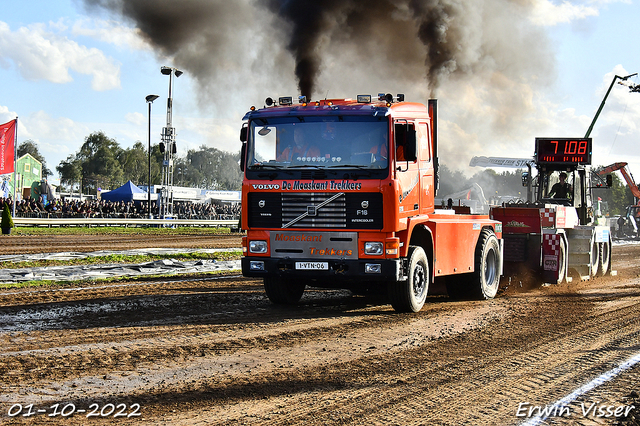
<point x="339" y="193"/>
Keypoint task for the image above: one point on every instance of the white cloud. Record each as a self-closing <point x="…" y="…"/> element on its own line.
<point x="111" y="32"/>
<point x="40" y="54"/>
<point x="550" y="13"/>
<point x="135" y="118"/>
<point x="547" y="13"/>
<point x="57" y="137"/>
<point x="6" y="115"/>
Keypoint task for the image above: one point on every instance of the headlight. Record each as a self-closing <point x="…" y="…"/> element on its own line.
<point x="374" y="248"/>
<point x="256" y="265"/>
<point x="257" y="246"/>
<point x="372" y="268"/>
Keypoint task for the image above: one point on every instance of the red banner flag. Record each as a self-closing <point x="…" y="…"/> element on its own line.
<point x="7" y="146"/>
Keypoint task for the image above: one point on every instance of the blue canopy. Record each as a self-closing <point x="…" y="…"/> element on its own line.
<point x="127" y="192"/>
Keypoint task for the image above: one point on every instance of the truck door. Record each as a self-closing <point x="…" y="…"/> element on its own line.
<point x="407" y="167"/>
<point x="427" y="190"/>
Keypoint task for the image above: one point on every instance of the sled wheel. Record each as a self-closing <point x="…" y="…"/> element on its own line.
<point x="605" y="258"/>
<point x="595" y="258"/>
<point x="562" y="262"/>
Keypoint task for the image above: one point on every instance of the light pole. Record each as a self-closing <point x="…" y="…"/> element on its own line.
<point x="168" y="139"/>
<point x="150" y="100"/>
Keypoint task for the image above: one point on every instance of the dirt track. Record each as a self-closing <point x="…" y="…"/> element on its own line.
<point x="215" y="351"/>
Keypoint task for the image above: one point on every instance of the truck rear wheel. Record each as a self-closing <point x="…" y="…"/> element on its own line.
<point x="484" y="281"/>
<point x="410" y="295"/>
<point x="486" y="276"/>
<point x="283" y="291"/>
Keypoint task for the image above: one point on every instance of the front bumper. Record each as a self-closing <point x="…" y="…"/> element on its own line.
<point x="338" y="271"/>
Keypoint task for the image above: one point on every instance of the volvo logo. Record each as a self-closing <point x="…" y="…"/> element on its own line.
<point x="364" y="204"/>
<point x="262" y="203"/>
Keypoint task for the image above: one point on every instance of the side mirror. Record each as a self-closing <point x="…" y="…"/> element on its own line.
<point x="243" y="133"/>
<point x="609" y="181"/>
<point x="525" y="178"/>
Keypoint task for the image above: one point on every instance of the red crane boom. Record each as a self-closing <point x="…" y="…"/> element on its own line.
<point x="627" y="177"/>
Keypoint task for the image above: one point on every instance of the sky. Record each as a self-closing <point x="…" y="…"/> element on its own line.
<point x="516" y="70"/>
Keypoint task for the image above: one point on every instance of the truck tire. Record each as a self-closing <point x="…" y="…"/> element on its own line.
<point x="283" y="291"/>
<point x="483" y="282"/>
<point x="562" y="262"/>
<point x="605" y="258"/>
<point x="409" y="295"/>
<point x="595" y="257"/>
<point x="486" y="276"/>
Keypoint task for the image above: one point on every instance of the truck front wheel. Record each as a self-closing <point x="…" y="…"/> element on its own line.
<point x="283" y="291"/>
<point x="409" y="295"/>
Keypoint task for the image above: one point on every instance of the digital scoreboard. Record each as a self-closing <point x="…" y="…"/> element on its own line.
<point x="563" y="151"/>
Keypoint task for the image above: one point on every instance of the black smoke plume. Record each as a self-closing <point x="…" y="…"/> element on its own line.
<point x="446" y="38"/>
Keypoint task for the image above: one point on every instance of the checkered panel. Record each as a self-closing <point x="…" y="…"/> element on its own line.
<point x="548" y="216"/>
<point x="551" y="244"/>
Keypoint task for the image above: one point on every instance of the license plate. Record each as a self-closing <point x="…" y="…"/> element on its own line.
<point x="315" y="266"/>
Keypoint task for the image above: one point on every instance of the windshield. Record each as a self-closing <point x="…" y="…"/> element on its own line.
<point x="318" y="143"/>
<point x="558" y="186"/>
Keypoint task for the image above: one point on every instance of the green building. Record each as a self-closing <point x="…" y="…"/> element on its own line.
<point x="28" y="172"/>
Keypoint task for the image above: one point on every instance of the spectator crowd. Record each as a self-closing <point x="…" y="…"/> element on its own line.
<point x="71" y="208"/>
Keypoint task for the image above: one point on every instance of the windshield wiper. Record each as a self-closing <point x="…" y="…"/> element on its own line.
<point x="304" y="166"/>
<point x="265" y="166"/>
<point x="357" y="166"/>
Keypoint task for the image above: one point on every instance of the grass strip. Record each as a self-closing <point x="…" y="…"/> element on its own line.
<point x="123" y="259"/>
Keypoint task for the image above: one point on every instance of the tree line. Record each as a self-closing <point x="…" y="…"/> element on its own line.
<point x="102" y="163"/>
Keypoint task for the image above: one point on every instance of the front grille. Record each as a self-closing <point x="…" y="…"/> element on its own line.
<point x="299" y="210"/>
<point x="290" y="210"/>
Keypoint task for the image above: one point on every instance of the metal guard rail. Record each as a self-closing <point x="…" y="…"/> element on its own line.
<point x="74" y="221"/>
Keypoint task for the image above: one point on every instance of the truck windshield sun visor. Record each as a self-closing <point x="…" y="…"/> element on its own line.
<point x="359" y="142"/>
